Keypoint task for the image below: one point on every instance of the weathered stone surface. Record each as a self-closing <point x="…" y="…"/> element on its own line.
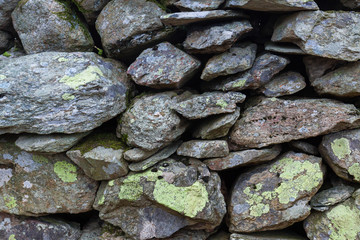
<point x="50" y="25"/>
<point x="15" y="227"/>
<point x="5" y="41"/>
<point x="236" y="59"/>
<point x="283" y="48"/>
<point x="163" y="66"/>
<point x="220" y="235"/>
<point x="276" y="195"/>
<point x="92" y="229"/>
<point x="13" y="52"/>
<point x="209" y="103"/>
<point x="310" y="30"/>
<point x="42" y="184"/>
<point x="341" y="152"/>
<point x="90" y="8"/>
<point x="215" y="38"/>
<point x="285" y="84"/>
<point x="6" y="7"/>
<point x="53" y="143"/>
<point x="149" y="122"/>
<point x="262" y="71"/>
<point x="317" y="66"/>
<point x="216" y="126"/>
<point x="356" y="196"/>
<point x="305" y="147"/>
<point x="271" y="235"/>
<point x="138" y="154"/>
<point x="204" y="149"/>
<point x="60" y="92"/>
<point x="143" y="204"/>
<point x="273" y="5"/>
<point x="198" y="5"/>
<point x="243" y="158"/>
<point x="323" y="200"/>
<point x="275" y="120"/>
<point x="189" y="235"/>
<point x="354" y="4"/>
<point x="340" y="222"/>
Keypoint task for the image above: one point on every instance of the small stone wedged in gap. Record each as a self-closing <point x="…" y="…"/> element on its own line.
<point x="305" y="147"/>
<point x="274" y="5"/>
<point x="323" y="200"/>
<point x="6" y="8"/>
<point x="317" y="67"/>
<point x="270" y="235"/>
<point x="204" y="149"/>
<point x="283" y="48"/>
<point x="138" y="154"/>
<point x="90" y="9"/>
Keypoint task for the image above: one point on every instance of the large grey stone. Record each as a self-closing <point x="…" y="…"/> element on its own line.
<point x="204" y="149"/>
<point x="6" y="7"/>
<point x="317" y="66"/>
<point x="353" y="4"/>
<point x="198" y="5"/>
<point x="90" y="8"/>
<point x="273" y="5"/>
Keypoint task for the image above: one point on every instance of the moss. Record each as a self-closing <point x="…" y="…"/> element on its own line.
<point x="40" y="159"/>
<point x="10" y="202"/>
<point x="341" y="147"/>
<point x="101" y="200"/>
<point x="79" y="7"/>
<point x="354" y="170"/>
<point x="100" y="51"/>
<point x="65" y="171"/>
<point x="22" y="3"/>
<point x="111" y="229"/>
<point x="91" y="73"/>
<point x="6" y="54"/>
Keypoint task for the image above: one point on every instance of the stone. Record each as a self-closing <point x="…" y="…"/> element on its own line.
<point x="163" y="66"/>
<point x="56" y="92"/>
<point x="5" y="41"/>
<point x="220" y="235"/>
<point x="100" y="156"/>
<point x="275" y="120"/>
<point x="323" y="200"/>
<point x="271" y="235"/>
<point x="138" y="154"/>
<point x="90" y="8"/>
<point x="341" y="152"/>
<point x="243" y="158"/>
<point x="286" y="83"/>
<point x="204" y="149"/>
<point x="13" y="52"/>
<point x="356" y="196"/>
<point x="283" y="48"/>
<point x="263" y="70"/>
<point x="198" y="5"/>
<point x="216" y="126"/>
<point x="52" y="143"/>
<point x="305" y="147"/>
<point x="317" y="66"/>
<point x="183" y="18"/>
<point x="339" y="222"/>
<point x="6" y="7"/>
<point x="37" y="184"/>
<point x="149" y="123"/>
<point x="189" y="235"/>
<point x="215" y="38"/>
<point x="209" y="103"/>
<point x="16" y="227"/>
<point x="310" y="30"/>
<point x="275" y="195"/>
<point x="353" y="4"/>
<point x="236" y="59"/>
<point x="273" y="5"/>
<point x="162" y="200"/>
<point x="50" y="25"/>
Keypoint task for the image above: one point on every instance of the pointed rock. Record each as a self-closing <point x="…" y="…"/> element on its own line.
<point x="90" y="8"/>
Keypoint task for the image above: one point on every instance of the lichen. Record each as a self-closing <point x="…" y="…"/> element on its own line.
<point x="10" y="202"/>
<point x="111" y="183"/>
<point x="239" y="84"/>
<point x="341" y="147"/>
<point x="101" y="200"/>
<point x="2" y="77"/>
<point x="40" y="159"/>
<point x="12" y="237"/>
<point x="68" y="97"/>
<point x="65" y="171"/>
<point x="255" y="200"/>
<point x="6" y="54"/>
<point x="91" y="73"/>
<point x="221" y="103"/>
<point x="62" y="59"/>
<point x="354" y="170"/>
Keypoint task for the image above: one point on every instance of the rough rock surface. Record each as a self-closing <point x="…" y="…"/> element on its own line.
<point x="204" y="149"/>
<point x="323" y="200"/>
<point x="310" y="30"/>
<point x="198" y="5"/>
<point x="275" y="120"/>
<point x="60" y="92"/>
<point x="305" y="147"/>
<point x="138" y="154"/>
<point x="163" y="66"/>
<point x="270" y="235"/>
<point x="6" y="7"/>
<point x="353" y="4"/>
<point x="90" y="8"/>
<point x="317" y="66"/>
<point x="286" y="83"/>
<point x="50" y="25"/>
<point x="276" y="195"/>
<point x="273" y="5"/>
<point x="283" y="48"/>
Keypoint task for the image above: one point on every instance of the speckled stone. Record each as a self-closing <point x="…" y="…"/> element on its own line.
<point x="91" y="8"/>
<point x="6" y="8"/>
<point x="317" y="66"/>
<point x="204" y="149"/>
<point x="283" y="48"/>
<point x="198" y="5"/>
<point x="273" y="5"/>
<point x="284" y="84"/>
<point x="305" y="147"/>
<point x="323" y="200"/>
<point x="138" y="154"/>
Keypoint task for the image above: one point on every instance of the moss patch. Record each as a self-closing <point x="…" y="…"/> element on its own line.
<point x="341" y="147"/>
<point x="12" y="237"/>
<point x="6" y="54"/>
<point x="65" y="171"/>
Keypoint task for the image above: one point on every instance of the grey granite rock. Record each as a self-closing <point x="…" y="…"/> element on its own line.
<point x="323" y="200"/>
<point x="90" y="8"/>
<point x="284" y="84"/>
<point x="204" y="149"/>
<point x="6" y="7"/>
<point x="198" y="5"/>
<point x="273" y="5"/>
<point x="138" y="154"/>
<point x="283" y="48"/>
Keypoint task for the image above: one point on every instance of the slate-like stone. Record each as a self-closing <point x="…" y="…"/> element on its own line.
<point x="215" y="38"/>
<point x="198" y="5"/>
<point x="149" y="123"/>
<point x="353" y="4"/>
<point x="275" y="120"/>
<point x="275" y="195"/>
<point x="6" y="7"/>
<point x="356" y="196"/>
<point x="243" y="158"/>
<point x="310" y="30"/>
<point x="138" y="154"/>
<point x="5" y="41"/>
<point x="285" y="84"/>
<point x="163" y="66"/>
<point x="50" y="25"/>
<point x="236" y="59"/>
<point x="271" y="235"/>
<point x="56" y="92"/>
<point x="323" y="200"/>
<point x="209" y="103"/>
<point x="317" y="66"/>
<point x="204" y="149"/>
<point x="283" y="48"/>
<point x="273" y="5"/>
<point x="305" y="147"/>
<point x="90" y="8"/>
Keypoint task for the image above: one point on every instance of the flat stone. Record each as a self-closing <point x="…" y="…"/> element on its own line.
<point x="189" y="235"/>
<point x="90" y="8"/>
<point x="6" y="40"/>
<point x="163" y="66"/>
<point x="271" y="235"/>
<point x="341" y="152"/>
<point x="204" y="149"/>
<point x="62" y="31"/>
<point x="138" y="154"/>
<point x="236" y="59"/>
<point x="323" y="200"/>
<point x="356" y="196"/>
<point x="55" y="92"/>
<point x="353" y="4"/>
<point x="263" y="70"/>
<point x="283" y="48"/>
<point x="305" y="147"/>
<point x="209" y="103"/>
<point x="149" y="123"/>
<point x="6" y="7"/>
<point x="273" y="5"/>
<point x="215" y="38"/>
<point x="274" y="120"/>
<point x="275" y="195"/>
<point x="198" y="5"/>
<point x="284" y="84"/>
<point x="317" y="66"/>
<point x="310" y="30"/>
<point x="243" y="158"/>
<point x="216" y="126"/>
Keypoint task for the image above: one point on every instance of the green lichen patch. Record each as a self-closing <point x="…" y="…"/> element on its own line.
<point x="91" y="73"/>
<point x="68" y="97"/>
<point x="40" y="159"/>
<point x="6" y="54"/>
<point x="341" y="148"/>
<point x="222" y="103"/>
<point x="65" y="171"/>
<point x="62" y="59"/>
<point x="255" y="200"/>
<point x="354" y="170"/>
<point x="239" y="84"/>
<point x="2" y="77"/>
<point x="101" y="200"/>
<point x="12" y="237"/>
<point x="10" y="202"/>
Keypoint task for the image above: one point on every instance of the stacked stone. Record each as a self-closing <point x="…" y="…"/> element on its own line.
<point x="179" y="119"/>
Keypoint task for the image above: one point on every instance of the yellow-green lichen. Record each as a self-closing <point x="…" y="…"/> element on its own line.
<point x="10" y="202"/>
<point x="91" y="73"/>
<point x="12" y="237"/>
<point x="62" y="59"/>
<point x="2" y="77"/>
<point x="67" y="96"/>
<point x="354" y="170"/>
<point x="6" y="54"/>
<point x="341" y="147"/>
<point x="65" y="171"/>
<point x="239" y="84"/>
<point x="255" y="200"/>
<point x="101" y="200"/>
<point x="40" y="159"/>
<point x="221" y="103"/>
<point x="111" y="183"/>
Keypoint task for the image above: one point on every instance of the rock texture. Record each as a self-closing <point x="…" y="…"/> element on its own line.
<point x="198" y="5"/>
<point x="323" y="200"/>
<point x="273" y="5"/>
<point x="6" y="7"/>
<point x="90" y="8"/>
<point x="204" y="149"/>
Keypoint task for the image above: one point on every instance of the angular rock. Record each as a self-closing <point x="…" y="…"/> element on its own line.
<point x="198" y="5"/>
<point x="262" y="71"/>
<point x="60" y="92"/>
<point x="53" y="143"/>
<point x="50" y="25"/>
<point x="160" y="201"/>
<point x="204" y="149"/>
<point x="283" y="48"/>
<point x="285" y="84"/>
<point x="273" y="5"/>
<point x="90" y="8"/>
<point x="323" y="200"/>
<point x="317" y="66"/>
<point x="236" y="59"/>
<point x="163" y="66"/>
<point x="270" y="235"/>
<point x="209" y="103"/>
<point x="149" y="123"/>
<point x="341" y="152"/>
<point x="353" y="4"/>
<point x="138" y="154"/>
<point x="305" y="147"/>
<point x="274" y="120"/>
<point x="310" y="30"/>
<point x="243" y="158"/>
<point x="6" y="7"/>
<point x="215" y="38"/>
<point x="16" y="227"/>
<point x="275" y="195"/>
<point x="5" y="41"/>
<point x="100" y="156"/>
